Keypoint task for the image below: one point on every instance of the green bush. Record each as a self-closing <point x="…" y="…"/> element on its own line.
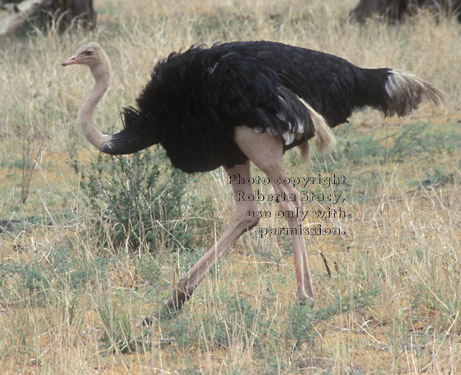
<point x="140" y="200"/>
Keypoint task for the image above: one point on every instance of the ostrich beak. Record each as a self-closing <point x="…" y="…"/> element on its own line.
<point x="72" y="60"/>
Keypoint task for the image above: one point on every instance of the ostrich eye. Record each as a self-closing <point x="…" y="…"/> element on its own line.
<point x="88" y="53"/>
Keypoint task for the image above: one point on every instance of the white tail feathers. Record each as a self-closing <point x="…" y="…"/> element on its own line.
<point x="325" y="140"/>
<point x="406" y="91"/>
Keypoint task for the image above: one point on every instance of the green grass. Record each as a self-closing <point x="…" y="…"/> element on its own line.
<point x="100" y="241"/>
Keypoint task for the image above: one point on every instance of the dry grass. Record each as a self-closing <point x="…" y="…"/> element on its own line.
<point x="68" y="305"/>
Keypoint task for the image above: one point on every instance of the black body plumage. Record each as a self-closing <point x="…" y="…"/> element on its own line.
<point x="196" y="98"/>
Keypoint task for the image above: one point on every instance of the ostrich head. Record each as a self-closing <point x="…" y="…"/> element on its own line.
<point x="92" y="55"/>
<point x="89" y="54"/>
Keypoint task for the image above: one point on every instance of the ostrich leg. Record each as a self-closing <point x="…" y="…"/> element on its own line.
<point x="240" y="224"/>
<point x="266" y="152"/>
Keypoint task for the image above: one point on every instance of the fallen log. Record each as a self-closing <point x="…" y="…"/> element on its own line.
<point x="21" y="12"/>
<point x="62" y="12"/>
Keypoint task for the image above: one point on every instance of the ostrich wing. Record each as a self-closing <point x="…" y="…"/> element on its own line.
<point x="249" y="92"/>
<point x="197" y="98"/>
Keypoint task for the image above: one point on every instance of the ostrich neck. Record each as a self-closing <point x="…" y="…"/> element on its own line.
<point x="101" y="74"/>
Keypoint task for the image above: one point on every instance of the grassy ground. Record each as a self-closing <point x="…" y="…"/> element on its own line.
<point x="100" y="241"/>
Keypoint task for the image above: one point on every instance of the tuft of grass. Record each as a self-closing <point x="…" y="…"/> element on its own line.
<point x="119" y="334"/>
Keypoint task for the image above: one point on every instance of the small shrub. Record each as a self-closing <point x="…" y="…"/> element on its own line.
<point x="410" y="141"/>
<point x="422" y="141"/>
<point x="302" y="319"/>
<point x="237" y="321"/>
<point x="31" y="276"/>
<point x="439" y="178"/>
<point x="74" y="272"/>
<point x="141" y="200"/>
<point x="362" y="150"/>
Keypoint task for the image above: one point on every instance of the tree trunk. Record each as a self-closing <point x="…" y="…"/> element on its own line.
<point x="396" y="10"/>
<point x="19" y="14"/>
<point x="64" y="12"/>
<point x="80" y="12"/>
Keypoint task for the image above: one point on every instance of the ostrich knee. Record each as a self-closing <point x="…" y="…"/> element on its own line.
<point x="292" y="206"/>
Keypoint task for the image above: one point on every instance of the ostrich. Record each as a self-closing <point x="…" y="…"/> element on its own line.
<point x="239" y="102"/>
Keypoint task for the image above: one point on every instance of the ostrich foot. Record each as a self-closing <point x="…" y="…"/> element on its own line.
<point x="180" y="296"/>
<point x="305" y="300"/>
